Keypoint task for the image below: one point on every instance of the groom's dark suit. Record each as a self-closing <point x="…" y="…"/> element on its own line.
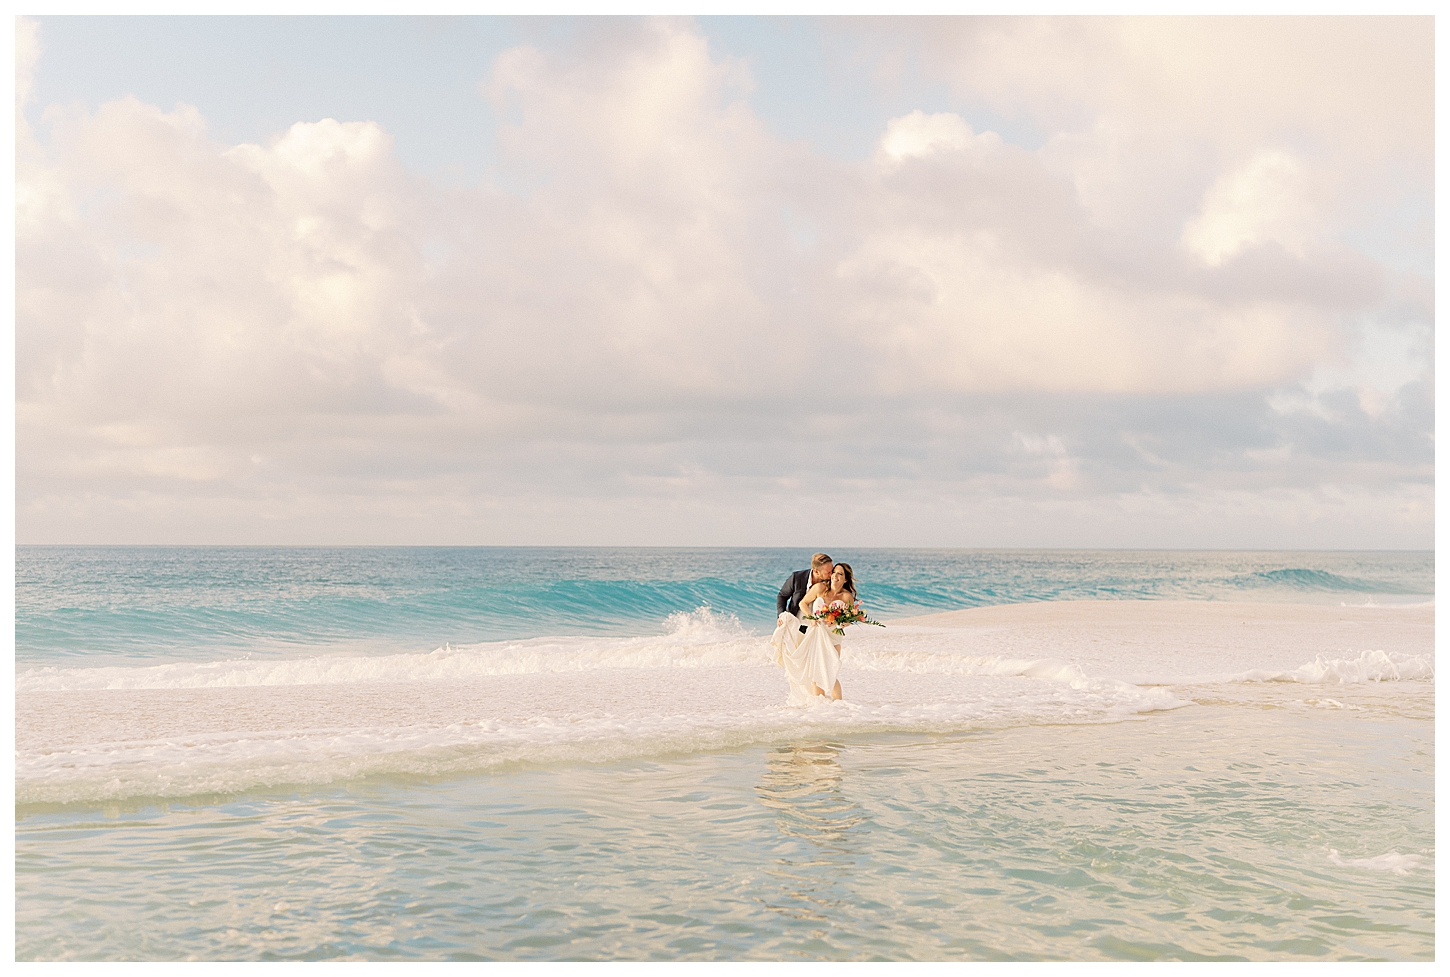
<point x="791" y="594"/>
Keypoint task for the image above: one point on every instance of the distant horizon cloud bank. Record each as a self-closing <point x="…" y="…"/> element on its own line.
<point x="1198" y="315"/>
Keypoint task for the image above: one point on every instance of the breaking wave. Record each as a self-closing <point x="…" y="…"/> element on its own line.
<point x="1303" y="579"/>
<point x="1367" y="666"/>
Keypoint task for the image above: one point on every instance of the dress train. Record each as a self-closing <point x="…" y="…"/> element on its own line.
<point x="811" y="657"/>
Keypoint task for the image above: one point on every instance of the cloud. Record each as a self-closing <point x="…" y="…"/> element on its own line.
<point x="1230" y="81"/>
<point x="1145" y="114"/>
<point x="1266" y="200"/>
<point x="655" y="317"/>
<point x="219" y="281"/>
<point x="27" y="55"/>
<point x="919" y="134"/>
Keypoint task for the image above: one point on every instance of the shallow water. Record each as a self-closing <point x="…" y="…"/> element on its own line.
<point x="366" y="754"/>
<point x="1261" y="824"/>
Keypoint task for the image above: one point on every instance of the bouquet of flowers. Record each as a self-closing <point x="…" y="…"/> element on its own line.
<point x="839" y="614"/>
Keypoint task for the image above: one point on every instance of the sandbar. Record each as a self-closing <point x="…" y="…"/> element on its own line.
<point x="1137" y="634"/>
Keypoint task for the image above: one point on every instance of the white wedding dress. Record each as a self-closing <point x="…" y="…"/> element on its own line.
<point x="814" y="656"/>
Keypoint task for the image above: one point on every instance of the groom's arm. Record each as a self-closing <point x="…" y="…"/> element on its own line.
<point x="782" y="599"/>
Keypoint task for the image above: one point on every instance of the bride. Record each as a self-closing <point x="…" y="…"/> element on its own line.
<point x="811" y="654"/>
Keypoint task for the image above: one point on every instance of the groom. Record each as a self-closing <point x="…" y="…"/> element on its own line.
<point x="796" y="585"/>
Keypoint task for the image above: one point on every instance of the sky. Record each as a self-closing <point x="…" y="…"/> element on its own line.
<point x="962" y="282"/>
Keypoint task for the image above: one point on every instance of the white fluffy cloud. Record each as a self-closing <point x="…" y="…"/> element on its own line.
<point x="919" y="134"/>
<point x="1265" y="201"/>
<point x="641" y="325"/>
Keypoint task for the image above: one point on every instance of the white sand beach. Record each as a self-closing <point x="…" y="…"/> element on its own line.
<point x="1139" y="640"/>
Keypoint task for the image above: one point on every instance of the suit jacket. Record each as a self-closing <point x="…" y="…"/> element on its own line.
<point x="792" y="591"/>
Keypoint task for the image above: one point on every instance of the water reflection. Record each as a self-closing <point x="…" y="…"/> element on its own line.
<point x="802" y="785"/>
<point x="816" y="855"/>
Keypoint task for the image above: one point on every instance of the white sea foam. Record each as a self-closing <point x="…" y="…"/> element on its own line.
<point x="1365" y="667"/>
<point x="1388" y="862"/>
<point x="695" y="639"/>
<point x="188" y="765"/>
<point x="1390" y="604"/>
<point x="700" y="639"/>
<point x="704" y="683"/>
<point x="1332" y="704"/>
<point x="312" y="735"/>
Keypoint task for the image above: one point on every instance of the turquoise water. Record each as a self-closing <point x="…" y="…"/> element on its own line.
<point x="196" y="603"/>
<point x="584" y="754"/>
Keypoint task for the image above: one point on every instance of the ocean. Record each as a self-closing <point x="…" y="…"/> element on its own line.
<point x="585" y="754"/>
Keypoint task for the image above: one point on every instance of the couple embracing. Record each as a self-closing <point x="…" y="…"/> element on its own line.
<point x="812" y="611"/>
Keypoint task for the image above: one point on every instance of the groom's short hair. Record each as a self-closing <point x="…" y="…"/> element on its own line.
<point x="820" y="560"/>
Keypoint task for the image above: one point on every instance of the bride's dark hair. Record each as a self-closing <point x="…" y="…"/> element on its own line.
<point x="850" y="578"/>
